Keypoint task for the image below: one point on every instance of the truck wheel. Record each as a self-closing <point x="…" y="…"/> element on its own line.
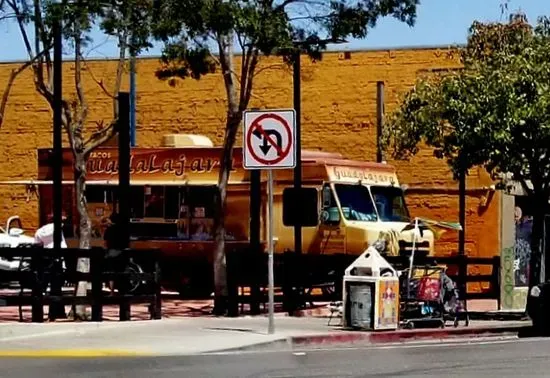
<point x="135" y="285"/>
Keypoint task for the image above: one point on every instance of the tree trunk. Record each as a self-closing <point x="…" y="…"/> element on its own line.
<point x="221" y="291"/>
<point x="83" y="264"/>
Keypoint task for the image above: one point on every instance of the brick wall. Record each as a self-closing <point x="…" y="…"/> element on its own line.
<point x="339" y="114"/>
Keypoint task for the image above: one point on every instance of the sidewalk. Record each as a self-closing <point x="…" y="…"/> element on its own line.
<point x="208" y="335"/>
<point x="174" y="308"/>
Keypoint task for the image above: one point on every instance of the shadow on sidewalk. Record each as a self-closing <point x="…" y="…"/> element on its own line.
<point x="172" y="308"/>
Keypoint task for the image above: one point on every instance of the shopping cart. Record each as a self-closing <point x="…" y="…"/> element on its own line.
<point x="430" y="297"/>
<point x="421" y="294"/>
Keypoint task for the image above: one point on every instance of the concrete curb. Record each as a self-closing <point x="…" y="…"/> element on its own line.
<point x="354" y="338"/>
<point x="387" y="337"/>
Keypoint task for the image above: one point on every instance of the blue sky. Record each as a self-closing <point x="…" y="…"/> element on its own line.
<point x="439" y="22"/>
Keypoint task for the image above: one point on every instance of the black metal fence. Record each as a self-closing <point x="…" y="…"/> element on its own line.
<point x="42" y="269"/>
<point x="460" y="263"/>
<point x="298" y="274"/>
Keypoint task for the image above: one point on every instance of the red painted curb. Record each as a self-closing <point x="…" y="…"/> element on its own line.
<point x="402" y="335"/>
<point x="335" y="338"/>
<point x="427" y="334"/>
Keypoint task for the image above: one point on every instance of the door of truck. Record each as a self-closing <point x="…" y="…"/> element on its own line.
<point x="331" y="235"/>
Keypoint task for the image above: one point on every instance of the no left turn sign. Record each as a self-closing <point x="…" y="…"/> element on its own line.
<point x="269" y="139"/>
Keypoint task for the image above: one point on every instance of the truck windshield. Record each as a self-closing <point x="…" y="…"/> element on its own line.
<point x="357" y="203"/>
<point x="390" y="203"/>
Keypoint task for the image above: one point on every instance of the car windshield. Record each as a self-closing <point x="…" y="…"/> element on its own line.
<point x="390" y="203"/>
<point x="356" y="202"/>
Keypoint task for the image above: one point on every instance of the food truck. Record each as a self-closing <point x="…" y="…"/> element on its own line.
<point x="171" y="203"/>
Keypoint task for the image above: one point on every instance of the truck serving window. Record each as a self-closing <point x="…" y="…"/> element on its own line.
<point x="390" y="203"/>
<point x="154" y="202"/>
<point x="356" y="202"/>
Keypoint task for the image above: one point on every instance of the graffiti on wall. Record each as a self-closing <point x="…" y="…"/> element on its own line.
<point x="515" y="264"/>
<point x="508" y="278"/>
<point x="512" y="297"/>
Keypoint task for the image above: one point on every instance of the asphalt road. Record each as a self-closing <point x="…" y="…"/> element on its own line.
<point x="528" y="357"/>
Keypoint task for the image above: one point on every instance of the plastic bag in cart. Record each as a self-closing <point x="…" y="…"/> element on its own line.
<point x="429" y="289"/>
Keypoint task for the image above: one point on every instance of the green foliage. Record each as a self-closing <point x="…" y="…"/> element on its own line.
<point x="127" y="18"/>
<point x="495" y="112"/>
<point x="192" y="30"/>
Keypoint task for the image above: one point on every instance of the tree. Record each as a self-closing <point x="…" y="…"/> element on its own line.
<point x="193" y="30"/>
<point x="492" y="113"/>
<point x="122" y="20"/>
<point x="8" y="14"/>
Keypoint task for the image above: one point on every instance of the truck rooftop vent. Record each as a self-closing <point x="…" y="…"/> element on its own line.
<point x="186" y="140"/>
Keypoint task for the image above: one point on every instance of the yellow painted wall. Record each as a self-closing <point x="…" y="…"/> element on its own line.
<point x="339" y="114"/>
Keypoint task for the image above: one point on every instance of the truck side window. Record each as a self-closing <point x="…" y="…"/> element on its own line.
<point x="154" y="202"/>
<point x="330" y="213"/>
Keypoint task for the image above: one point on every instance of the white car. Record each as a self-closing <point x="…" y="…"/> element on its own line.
<point x="11" y="237"/>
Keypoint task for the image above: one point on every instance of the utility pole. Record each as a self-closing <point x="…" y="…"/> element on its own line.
<point x="379" y="120"/>
<point x="124" y="183"/>
<point x="57" y="310"/>
<point x="463" y="267"/>
<point x="57" y="161"/>
<point x="133" y="97"/>
<point x="297" y="88"/>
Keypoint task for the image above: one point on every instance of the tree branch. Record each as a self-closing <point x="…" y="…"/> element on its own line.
<point x="8" y="16"/>
<point x="249" y="83"/>
<point x="40" y="35"/>
<point x="245" y="69"/>
<point x="13" y="75"/>
<point x="37" y="66"/>
<point x="282" y="6"/>
<point x="21" y="25"/>
<point x="226" y="61"/>
<point x="270" y="67"/>
<point x="83" y="106"/>
<point x="312" y="18"/>
<point x="98" y="82"/>
<point x="99" y="137"/>
<point x="212" y="56"/>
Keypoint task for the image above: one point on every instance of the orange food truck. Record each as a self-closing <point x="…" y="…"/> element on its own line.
<point x="172" y="191"/>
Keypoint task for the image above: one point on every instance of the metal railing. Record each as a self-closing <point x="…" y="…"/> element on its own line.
<point x="296" y="276"/>
<point x="41" y="269"/>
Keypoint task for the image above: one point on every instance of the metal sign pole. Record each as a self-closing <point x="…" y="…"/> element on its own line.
<point x="270" y="278"/>
<point x="268" y="143"/>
